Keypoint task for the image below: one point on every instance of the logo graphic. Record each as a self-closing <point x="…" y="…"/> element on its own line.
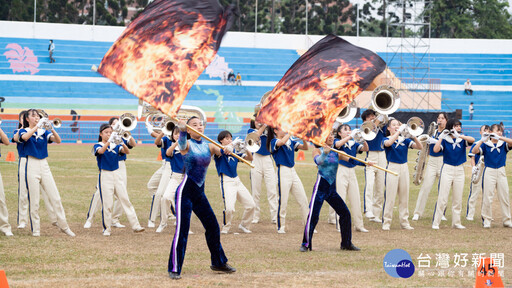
<point x="398" y="264"/>
<point x="218" y="67"/>
<point x="21" y="59"/>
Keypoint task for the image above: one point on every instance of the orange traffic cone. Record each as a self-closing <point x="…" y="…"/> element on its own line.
<point x="300" y="156"/>
<point x="10" y="157"/>
<point x="159" y="157"/>
<point x="3" y="280"/>
<point x="487" y="274"/>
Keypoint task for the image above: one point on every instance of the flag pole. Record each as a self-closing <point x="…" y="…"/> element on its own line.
<point x="362" y="161"/>
<point x="214" y="143"/>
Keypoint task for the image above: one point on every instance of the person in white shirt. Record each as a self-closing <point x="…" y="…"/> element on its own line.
<point x="467" y="88"/>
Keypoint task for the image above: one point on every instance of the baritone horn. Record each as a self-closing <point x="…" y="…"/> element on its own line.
<point x="128" y="122"/>
<point x="415" y="126"/>
<point x="252" y="142"/>
<point x="348" y="113"/>
<point x="385" y="100"/>
<point x="369" y="130"/>
<point x="156" y="121"/>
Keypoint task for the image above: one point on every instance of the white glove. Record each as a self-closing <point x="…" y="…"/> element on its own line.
<point x="431" y="140"/>
<point x="228" y="149"/>
<point x="41" y="122"/>
<point x="402" y="128"/>
<point x="455" y="133"/>
<point x="495" y="136"/>
<point x="474" y="170"/>
<point x="380" y="118"/>
<point x="485" y="137"/>
<point x="237" y="141"/>
<point x="443" y="134"/>
<point x="354" y="133"/>
<point x="112" y="138"/>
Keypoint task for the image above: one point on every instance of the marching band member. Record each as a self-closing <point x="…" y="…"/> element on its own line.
<point x="5" y="227"/>
<point x="154" y="181"/>
<point x="178" y="170"/>
<point x="232" y="187"/>
<point x="433" y="168"/>
<point x="190" y="197"/>
<point x="95" y="200"/>
<point x="325" y="189"/>
<point x="110" y="179"/>
<point x="22" y="184"/>
<point x="396" y="148"/>
<point x="453" y="145"/>
<point x="495" y="152"/>
<point x="346" y="180"/>
<point x="474" y="188"/>
<point x="38" y="172"/>
<point x="164" y="142"/>
<point x="263" y="170"/>
<point x="282" y="149"/>
<point x="374" y="186"/>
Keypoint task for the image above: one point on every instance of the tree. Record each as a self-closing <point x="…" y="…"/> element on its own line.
<point x="451" y="19"/>
<point x="492" y="19"/>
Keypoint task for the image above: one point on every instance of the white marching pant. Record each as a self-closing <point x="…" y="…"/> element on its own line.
<point x="5" y="227"/>
<point x="348" y="189"/>
<point x="233" y="189"/>
<point x="396" y="185"/>
<point x="111" y="183"/>
<point x="264" y="170"/>
<point x="452" y="177"/>
<point x="154" y="181"/>
<point x="23" y="197"/>
<point x="156" y="201"/>
<point x="374" y="185"/>
<point x="432" y="172"/>
<point x="39" y="175"/>
<point x="474" y="191"/>
<point x="289" y="183"/>
<point x="167" y="200"/>
<point x="495" y="179"/>
<point x="96" y="203"/>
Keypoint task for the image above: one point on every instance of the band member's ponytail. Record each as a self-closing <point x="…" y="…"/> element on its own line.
<point x="270" y="135"/>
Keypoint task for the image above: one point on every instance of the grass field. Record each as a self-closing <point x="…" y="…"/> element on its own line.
<point x="263" y="258"/>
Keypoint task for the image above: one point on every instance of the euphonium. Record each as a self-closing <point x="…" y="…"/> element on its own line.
<point x="477" y="173"/>
<point x="158" y="121"/>
<point x="421" y="160"/>
<point x="415" y="126"/>
<point x="252" y="142"/>
<point x="348" y="113"/>
<point x="368" y="130"/>
<point x="385" y="100"/>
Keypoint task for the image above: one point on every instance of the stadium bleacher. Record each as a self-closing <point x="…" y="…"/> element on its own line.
<point x="70" y="84"/>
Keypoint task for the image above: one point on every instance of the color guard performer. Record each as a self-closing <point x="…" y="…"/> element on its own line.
<point x="190" y="197"/>
<point x="283" y="151"/>
<point x="396" y="147"/>
<point x="453" y="145"/>
<point x="38" y="171"/>
<point x="374" y="186"/>
<point x="433" y="168"/>
<point x="495" y="152"/>
<point x="263" y="170"/>
<point x="110" y="179"/>
<point x="346" y="180"/>
<point x="5" y="227"/>
<point x="474" y="188"/>
<point x="231" y="186"/>
<point x="325" y="189"/>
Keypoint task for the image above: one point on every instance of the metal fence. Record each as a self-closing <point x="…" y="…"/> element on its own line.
<point x="88" y="131"/>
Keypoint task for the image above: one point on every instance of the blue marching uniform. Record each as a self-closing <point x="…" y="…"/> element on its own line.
<point x="190" y="197"/>
<point x="325" y="189"/>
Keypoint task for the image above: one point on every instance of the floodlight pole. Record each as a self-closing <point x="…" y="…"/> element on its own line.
<point x="306" y="17"/>
<point x="94" y="13"/>
<point x="35" y="10"/>
<point x="256" y="17"/>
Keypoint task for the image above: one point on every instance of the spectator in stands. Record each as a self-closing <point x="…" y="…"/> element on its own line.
<point x="471" y="111"/>
<point x="224" y="79"/>
<point x="231" y="77"/>
<point x="467" y="88"/>
<point x="238" y="79"/>
<point x="51" y="48"/>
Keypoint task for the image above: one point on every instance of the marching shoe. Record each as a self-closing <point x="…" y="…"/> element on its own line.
<point x="408" y="227"/>
<point x="222" y="231"/>
<point x="55" y="224"/>
<point x="255" y="221"/>
<point x="362" y="229"/>
<point x="435" y="227"/>
<point x="444" y="218"/>
<point x="458" y="226"/>
<point x="22" y="226"/>
<point x="369" y="214"/>
<point x="68" y="232"/>
<point x="139" y="229"/>
<point x="226" y="268"/>
<point x="9" y="234"/>
<point x="245" y="230"/>
<point x="469" y="218"/>
<point x="160" y="228"/>
<point x="281" y="231"/>
<point x="377" y="220"/>
<point x="507" y="225"/>
<point x="304" y="248"/>
<point x="117" y="225"/>
<point x="36" y="234"/>
<point x="352" y="247"/>
<point x="416" y="217"/>
<point x="87" y="225"/>
<point x="487" y="226"/>
<point x="174" y="276"/>
<point x="151" y="224"/>
<point x="385" y="228"/>
<point x="106" y="233"/>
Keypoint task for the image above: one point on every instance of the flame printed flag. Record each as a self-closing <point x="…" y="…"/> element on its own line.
<point x="323" y="81"/>
<point x="163" y="51"/>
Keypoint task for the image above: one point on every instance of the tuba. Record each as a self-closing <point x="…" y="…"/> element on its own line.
<point x="421" y="160"/>
<point x="348" y="113"/>
<point x="476" y="174"/>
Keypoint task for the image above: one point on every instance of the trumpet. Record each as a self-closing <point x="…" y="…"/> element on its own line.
<point x="348" y="113"/>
